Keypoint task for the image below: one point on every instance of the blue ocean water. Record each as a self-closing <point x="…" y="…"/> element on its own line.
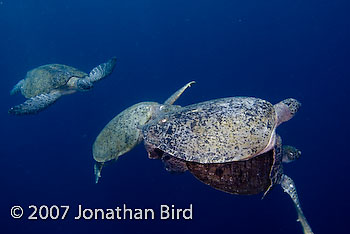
<point x="267" y="49"/>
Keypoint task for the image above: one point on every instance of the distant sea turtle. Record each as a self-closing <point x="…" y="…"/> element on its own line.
<point x="45" y="84"/>
<point x="123" y="132"/>
<point x="247" y="177"/>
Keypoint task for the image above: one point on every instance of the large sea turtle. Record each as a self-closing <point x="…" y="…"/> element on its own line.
<point x="123" y="132"/>
<point x="229" y="143"/>
<point x="45" y="84"/>
<point x="220" y="130"/>
<point x="246" y="177"/>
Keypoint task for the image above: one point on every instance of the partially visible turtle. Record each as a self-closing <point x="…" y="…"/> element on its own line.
<point x="123" y="132"/>
<point x="45" y="84"/>
<point x="252" y="176"/>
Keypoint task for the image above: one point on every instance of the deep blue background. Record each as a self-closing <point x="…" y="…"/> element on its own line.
<point x="268" y="49"/>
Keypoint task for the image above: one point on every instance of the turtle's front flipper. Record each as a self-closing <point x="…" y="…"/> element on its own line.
<point x="289" y="187"/>
<point x="17" y="87"/>
<point x="101" y="71"/>
<point x="36" y="104"/>
<point x="177" y="94"/>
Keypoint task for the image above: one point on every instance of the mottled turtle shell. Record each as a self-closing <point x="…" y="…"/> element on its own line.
<point x="122" y="133"/>
<point x="242" y="178"/>
<point x="216" y="131"/>
<point x="252" y="176"/>
<point x="48" y="77"/>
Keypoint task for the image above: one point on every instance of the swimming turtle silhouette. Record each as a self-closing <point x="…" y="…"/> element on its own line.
<point x="44" y="85"/>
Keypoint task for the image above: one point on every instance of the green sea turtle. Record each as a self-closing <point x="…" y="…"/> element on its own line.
<point x="45" y="84"/>
<point x="247" y="177"/>
<point x="229" y="143"/>
<point x="220" y="130"/>
<point x="123" y="132"/>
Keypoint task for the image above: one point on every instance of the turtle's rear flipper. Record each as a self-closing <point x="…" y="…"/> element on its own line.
<point x="17" y="87"/>
<point x="101" y="71"/>
<point x="289" y="187"/>
<point x="36" y="104"/>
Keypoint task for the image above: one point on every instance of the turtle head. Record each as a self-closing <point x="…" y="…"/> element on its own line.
<point x="290" y="154"/>
<point x="292" y="104"/>
<point x="84" y="84"/>
<point x="286" y="109"/>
